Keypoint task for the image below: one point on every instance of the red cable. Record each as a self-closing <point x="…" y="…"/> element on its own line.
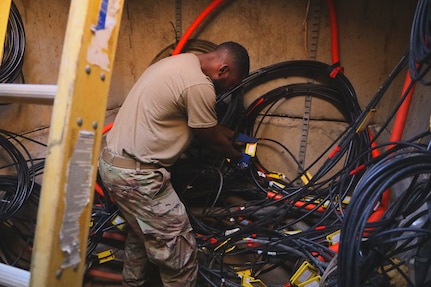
<point x="384" y="202"/>
<point x="107" y="128"/>
<point x="401" y="116"/>
<point x="99" y="190"/>
<point x="105" y="275"/>
<point x="397" y="131"/>
<point x="334" y="31"/>
<point x="195" y="25"/>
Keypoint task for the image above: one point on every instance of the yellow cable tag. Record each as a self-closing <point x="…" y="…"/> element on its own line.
<point x="306" y="177"/>
<point x="312" y="282"/>
<point x="276" y="184"/>
<point x="250" y="149"/>
<point x="119" y="222"/>
<point x="334" y="237"/>
<point x="105" y="256"/>
<point x="346" y="200"/>
<point x="249" y="281"/>
<point x="276" y="175"/>
<point x="291" y="232"/>
<point x="366" y="120"/>
<point x="304" y="273"/>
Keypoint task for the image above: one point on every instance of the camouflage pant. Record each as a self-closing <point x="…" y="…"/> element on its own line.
<point x="159" y="228"/>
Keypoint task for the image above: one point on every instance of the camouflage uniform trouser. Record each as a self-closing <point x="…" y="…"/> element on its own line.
<point x="159" y="228"/>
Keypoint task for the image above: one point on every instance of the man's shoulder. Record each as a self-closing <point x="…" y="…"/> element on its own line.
<point x="184" y="57"/>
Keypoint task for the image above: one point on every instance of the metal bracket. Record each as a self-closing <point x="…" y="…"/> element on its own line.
<point x="313" y="35"/>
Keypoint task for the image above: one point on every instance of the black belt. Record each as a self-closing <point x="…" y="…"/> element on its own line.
<point x="126" y="162"/>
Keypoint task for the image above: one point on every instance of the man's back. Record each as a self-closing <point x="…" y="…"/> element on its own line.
<point x="154" y="122"/>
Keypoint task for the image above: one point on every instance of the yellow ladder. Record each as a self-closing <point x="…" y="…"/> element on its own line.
<point x="74" y="140"/>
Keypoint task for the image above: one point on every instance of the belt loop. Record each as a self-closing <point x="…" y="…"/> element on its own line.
<point x="138" y="165"/>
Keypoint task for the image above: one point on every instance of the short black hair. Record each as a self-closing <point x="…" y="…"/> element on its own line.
<point x="239" y="56"/>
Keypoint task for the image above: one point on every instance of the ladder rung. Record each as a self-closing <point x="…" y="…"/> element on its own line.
<point x="28" y="93"/>
<point x="11" y="276"/>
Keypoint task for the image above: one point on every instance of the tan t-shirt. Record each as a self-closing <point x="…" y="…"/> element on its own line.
<point x="153" y="124"/>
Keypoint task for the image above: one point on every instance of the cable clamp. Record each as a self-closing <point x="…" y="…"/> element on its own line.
<point x="336" y="68"/>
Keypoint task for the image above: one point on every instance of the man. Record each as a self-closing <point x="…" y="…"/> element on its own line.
<point x="171" y="103"/>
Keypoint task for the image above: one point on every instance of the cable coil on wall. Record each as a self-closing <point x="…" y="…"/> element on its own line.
<point x="14" y="47"/>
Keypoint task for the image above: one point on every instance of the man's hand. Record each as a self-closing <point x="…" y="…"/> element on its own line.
<point x="243" y="138"/>
<point x="219" y="139"/>
<point x="244" y="162"/>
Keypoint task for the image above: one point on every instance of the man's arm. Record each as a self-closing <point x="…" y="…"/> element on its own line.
<point x="219" y="139"/>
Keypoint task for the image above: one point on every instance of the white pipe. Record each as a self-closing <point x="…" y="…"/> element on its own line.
<point x="13" y="277"/>
<point x="28" y="93"/>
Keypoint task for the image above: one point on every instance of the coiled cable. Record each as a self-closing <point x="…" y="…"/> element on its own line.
<point x="14" y="48"/>
<point x="365" y="245"/>
<point x="420" y="37"/>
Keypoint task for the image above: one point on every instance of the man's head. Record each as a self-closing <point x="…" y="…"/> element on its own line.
<point x="227" y="65"/>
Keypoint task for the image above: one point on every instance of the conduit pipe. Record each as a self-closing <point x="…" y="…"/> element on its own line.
<point x="401" y="116"/>
<point x="211" y="7"/>
<point x="334" y="32"/>
<point x="11" y="276"/>
<point x="397" y="132"/>
<point x="27" y="93"/>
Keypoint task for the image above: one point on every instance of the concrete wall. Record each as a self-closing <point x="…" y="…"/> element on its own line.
<point x="373" y="36"/>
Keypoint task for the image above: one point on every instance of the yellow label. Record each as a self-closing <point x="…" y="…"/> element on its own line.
<point x="250" y="149"/>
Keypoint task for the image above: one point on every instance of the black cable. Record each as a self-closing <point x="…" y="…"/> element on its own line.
<point x="17" y="233"/>
<point x="17" y="191"/>
<point x="420" y="37"/>
<point x="354" y="269"/>
<point x="14" y="47"/>
<point x="324" y="190"/>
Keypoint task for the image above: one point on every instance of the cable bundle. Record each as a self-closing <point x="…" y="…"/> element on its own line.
<point x="19" y="198"/>
<point x="420" y="41"/>
<point x="17" y="233"/>
<point x="228" y="205"/>
<point x="18" y="184"/>
<point x="14" y="47"/>
<point x="375" y="251"/>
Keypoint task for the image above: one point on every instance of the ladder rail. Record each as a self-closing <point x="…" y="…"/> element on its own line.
<point x="74" y="141"/>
